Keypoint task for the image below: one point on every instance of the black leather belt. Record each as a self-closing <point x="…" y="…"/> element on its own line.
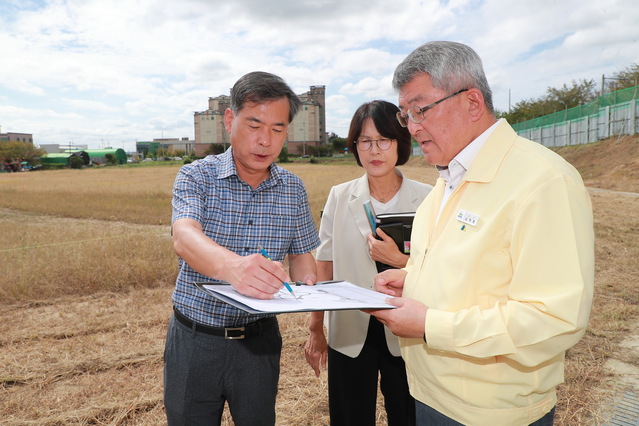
<point x="248" y="330"/>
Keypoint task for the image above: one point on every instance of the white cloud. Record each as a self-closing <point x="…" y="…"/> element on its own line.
<point x="120" y="71"/>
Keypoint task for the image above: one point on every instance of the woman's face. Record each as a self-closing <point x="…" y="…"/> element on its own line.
<point x="376" y="161"/>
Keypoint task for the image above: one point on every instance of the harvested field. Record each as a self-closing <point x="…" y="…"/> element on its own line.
<point x="85" y="295"/>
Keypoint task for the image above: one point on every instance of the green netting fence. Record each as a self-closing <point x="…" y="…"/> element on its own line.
<point x="611" y="114"/>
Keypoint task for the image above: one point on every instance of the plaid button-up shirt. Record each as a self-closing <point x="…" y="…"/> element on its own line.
<point x="276" y="216"/>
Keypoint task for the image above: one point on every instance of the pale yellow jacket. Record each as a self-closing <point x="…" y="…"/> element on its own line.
<point x="344" y="231"/>
<point x="507" y="296"/>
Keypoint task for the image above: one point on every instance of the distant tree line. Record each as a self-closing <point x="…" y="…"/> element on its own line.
<point x="20" y="151"/>
<point x="578" y="93"/>
<point x="335" y="145"/>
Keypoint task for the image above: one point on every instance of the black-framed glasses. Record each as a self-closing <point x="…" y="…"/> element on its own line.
<point x="365" y="144"/>
<point x="416" y="114"/>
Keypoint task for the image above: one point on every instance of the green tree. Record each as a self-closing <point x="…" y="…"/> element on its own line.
<point x="624" y="79"/>
<point x="338" y="144"/>
<point x="20" y="151"/>
<point x="76" y="162"/>
<point x="319" y="151"/>
<point x="162" y="152"/>
<point x="556" y="99"/>
<point x="580" y="93"/>
<point x="215" y="148"/>
<point x="324" y="151"/>
<point x="283" y="157"/>
<point x="110" y="159"/>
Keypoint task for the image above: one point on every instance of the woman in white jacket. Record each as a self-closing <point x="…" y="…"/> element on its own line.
<point x="359" y="346"/>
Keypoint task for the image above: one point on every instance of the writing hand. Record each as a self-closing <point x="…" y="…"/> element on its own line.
<point x="256" y="276"/>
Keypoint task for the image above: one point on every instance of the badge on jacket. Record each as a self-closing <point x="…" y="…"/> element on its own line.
<point x="467" y="218"/>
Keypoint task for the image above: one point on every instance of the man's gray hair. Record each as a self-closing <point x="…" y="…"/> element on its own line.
<point x="259" y="87"/>
<point x="451" y="66"/>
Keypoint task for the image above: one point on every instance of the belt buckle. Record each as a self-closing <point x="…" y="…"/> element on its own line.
<point x="240" y="336"/>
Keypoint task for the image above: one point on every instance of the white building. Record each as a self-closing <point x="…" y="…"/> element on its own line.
<point x="307" y="129"/>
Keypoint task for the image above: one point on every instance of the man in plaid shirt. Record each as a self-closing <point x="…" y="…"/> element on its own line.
<point x="224" y="206"/>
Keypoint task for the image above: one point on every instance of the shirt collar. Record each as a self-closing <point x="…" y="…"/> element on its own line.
<point x="227" y="169"/>
<point x="226" y="166"/>
<point x="466" y="156"/>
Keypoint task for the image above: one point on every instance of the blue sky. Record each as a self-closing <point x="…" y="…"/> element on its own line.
<point x="111" y="72"/>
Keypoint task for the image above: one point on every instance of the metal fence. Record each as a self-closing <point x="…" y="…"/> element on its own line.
<point x="613" y="114"/>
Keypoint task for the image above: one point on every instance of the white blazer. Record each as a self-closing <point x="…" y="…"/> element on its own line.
<point x="343" y="231"/>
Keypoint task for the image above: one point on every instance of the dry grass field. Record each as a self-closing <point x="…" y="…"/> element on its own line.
<point x="87" y="271"/>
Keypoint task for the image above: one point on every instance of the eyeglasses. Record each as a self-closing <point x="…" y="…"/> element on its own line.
<point x="365" y="144"/>
<point x="416" y="114"/>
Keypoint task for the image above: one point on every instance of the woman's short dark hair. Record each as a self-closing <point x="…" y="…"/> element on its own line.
<point x="384" y="117"/>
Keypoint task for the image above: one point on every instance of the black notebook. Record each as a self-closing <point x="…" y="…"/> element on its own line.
<point x="398" y="226"/>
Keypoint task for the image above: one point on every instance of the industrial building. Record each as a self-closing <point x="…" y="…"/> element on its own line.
<point x="16" y="137"/>
<point x="307" y="129"/>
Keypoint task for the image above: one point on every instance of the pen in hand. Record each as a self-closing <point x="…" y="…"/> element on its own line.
<point x="265" y="254"/>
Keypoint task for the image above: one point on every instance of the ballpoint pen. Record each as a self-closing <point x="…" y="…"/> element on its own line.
<point x="265" y="254"/>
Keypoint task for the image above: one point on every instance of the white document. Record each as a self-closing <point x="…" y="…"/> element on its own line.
<point x="332" y="296"/>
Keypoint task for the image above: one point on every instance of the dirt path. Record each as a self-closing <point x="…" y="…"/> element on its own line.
<point x="620" y="405"/>
<point x="621" y="394"/>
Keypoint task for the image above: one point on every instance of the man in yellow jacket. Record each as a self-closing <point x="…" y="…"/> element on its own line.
<point x="500" y="279"/>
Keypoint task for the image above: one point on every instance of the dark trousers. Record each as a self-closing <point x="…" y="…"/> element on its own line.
<point x="427" y="416"/>
<point x="352" y="384"/>
<point x="201" y="372"/>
